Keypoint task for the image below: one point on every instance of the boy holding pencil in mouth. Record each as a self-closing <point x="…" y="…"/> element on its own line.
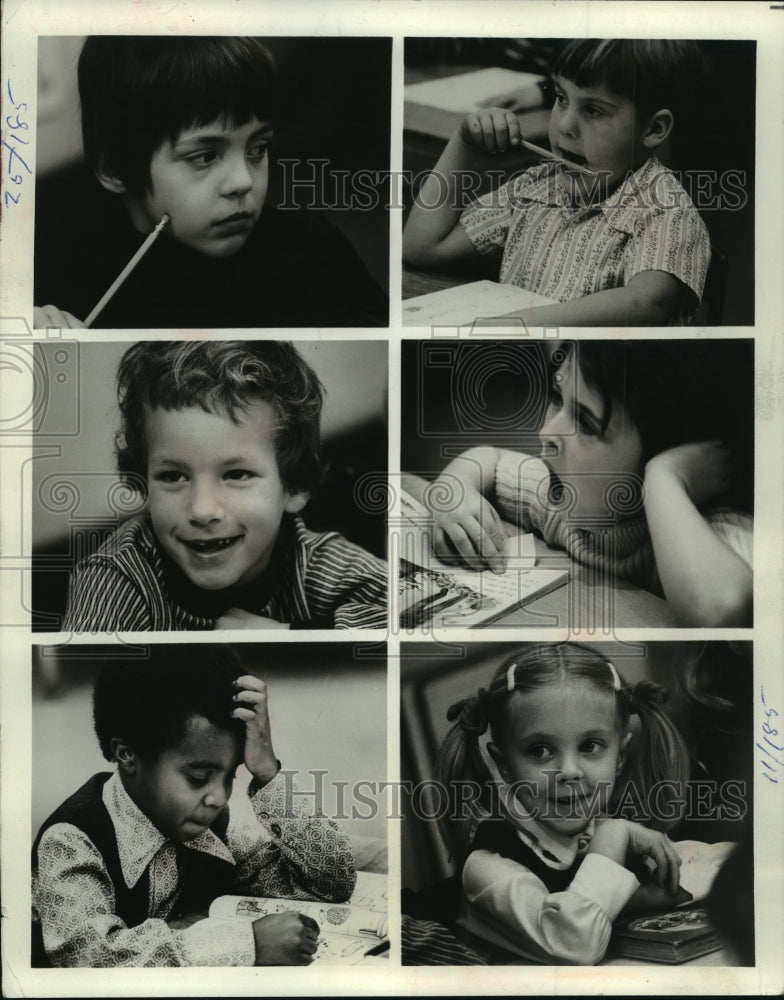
<point x="601" y="225"/>
<point x="178" y="130"/>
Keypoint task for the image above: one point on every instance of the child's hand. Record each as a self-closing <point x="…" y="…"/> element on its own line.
<point x="239" y="618"/>
<point x="704" y="468"/>
<point x="474" y="529"/>
<point x="253" y="710"/>
<point x="50" y="316"/>
<point x="285" y="939"/>
<point x="492" y="130"/>
<point x="620" y="840"/>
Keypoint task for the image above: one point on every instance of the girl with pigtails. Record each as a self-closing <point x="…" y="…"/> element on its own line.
<point x="536" y="767"/>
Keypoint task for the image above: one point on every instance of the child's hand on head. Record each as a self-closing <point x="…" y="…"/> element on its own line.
<point x="239" y="618"/>
<point x="285" y="939"/>
<point x="472" y="528"/>
<point x="491" y="130"/>
<point x="50" y="316"/>
<point x="252" y="709"/>
<point x="704" y="468"/>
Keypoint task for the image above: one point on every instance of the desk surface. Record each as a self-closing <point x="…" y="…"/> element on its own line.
<point x="589" y="602"/>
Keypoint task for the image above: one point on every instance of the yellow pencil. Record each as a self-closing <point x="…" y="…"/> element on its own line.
<point x="127" y="270"/>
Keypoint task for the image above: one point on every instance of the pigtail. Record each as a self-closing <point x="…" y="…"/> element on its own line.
<point x="459" y="763"/>
<point x="659" y="769"/>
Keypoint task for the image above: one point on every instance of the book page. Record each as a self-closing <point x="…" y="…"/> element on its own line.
<point x="437" y="593"/>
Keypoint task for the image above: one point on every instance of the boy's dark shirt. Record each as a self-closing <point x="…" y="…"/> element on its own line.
<point x="295" y="270"/>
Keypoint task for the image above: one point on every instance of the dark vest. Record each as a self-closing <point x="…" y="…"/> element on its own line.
<point x="441" y="901"/>
<point x="500" y="837"/>
<point x="203" y="876"/>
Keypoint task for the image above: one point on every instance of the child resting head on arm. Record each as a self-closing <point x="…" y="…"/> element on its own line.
<point x="623" y="246"/>
<point x="547" y="753"/>
<point x="182" y="127"/>
<point x="656" y="436"/>
<point x="222" y="438"/>
<point x="126" y="866"/>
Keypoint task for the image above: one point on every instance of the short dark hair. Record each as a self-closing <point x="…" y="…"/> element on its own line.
<point x="654" y="73"/>
<point x="677" y="391"/>
<point x="149" y="702"/>
<point x="222" y="376"/>
<point x="138" y="91"/>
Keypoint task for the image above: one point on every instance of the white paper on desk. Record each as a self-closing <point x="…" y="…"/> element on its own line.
<point x="700" y="863"/>
<point x="435" y="593"/>
<point x="464" y="304"/>
<point x="466" y="92"/>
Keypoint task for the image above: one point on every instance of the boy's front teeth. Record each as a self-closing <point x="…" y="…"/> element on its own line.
<point x="211" y="546"/>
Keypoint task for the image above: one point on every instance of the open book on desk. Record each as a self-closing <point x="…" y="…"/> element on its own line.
<point x="438" y="594"/>
<point x="466" y="304"/>
<point x="348" y="931"/>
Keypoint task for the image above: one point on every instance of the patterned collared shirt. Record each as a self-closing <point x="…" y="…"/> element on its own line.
<point x="565" y="251"/>
<point x="277" y="849"/>
<point x="322" y="578"/>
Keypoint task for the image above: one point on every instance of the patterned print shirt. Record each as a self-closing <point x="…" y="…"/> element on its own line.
<point x="277" y="849"/>
<point x="319" y="580"/>
<point x="562" y="250"/>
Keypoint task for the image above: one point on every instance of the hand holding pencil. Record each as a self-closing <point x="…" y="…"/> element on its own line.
<point x="497" y="130"/>
<point x="50" y="317"/>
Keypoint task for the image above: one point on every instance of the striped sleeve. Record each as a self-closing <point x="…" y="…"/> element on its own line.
<point x="102" y="597"/>
<point x="347" y="584"/>
<point x="425" y="942"/>
<point x="675" y="241"/>
<point x="521" y="488"/>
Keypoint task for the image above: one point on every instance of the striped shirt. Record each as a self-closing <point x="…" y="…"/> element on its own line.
<point x="620" y="545"/>
<point x="316" y="580"/>
<point x="562" y="250"/>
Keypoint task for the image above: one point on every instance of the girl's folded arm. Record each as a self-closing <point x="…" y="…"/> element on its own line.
<point x="508" y="902"/>
<point x="705" y="581"/>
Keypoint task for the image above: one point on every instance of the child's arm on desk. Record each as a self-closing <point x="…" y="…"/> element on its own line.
<point x="704" y="580"/>
<point x="471" y="526"/>
<point x="651" y="298"/>
<point x="432" y="236"/>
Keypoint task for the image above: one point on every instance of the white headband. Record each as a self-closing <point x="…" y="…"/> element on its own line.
<point x="510" y="677"/>
<point x="616" y="678"/>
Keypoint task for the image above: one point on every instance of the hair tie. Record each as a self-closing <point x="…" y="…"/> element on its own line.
<point x="471" y="713"/>
<point x="645" y="694"/>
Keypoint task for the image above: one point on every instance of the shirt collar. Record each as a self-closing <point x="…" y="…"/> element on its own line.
<point x="139" y="840"/>
<point x="556" y="850"/>
<point x="634" y="192"/>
